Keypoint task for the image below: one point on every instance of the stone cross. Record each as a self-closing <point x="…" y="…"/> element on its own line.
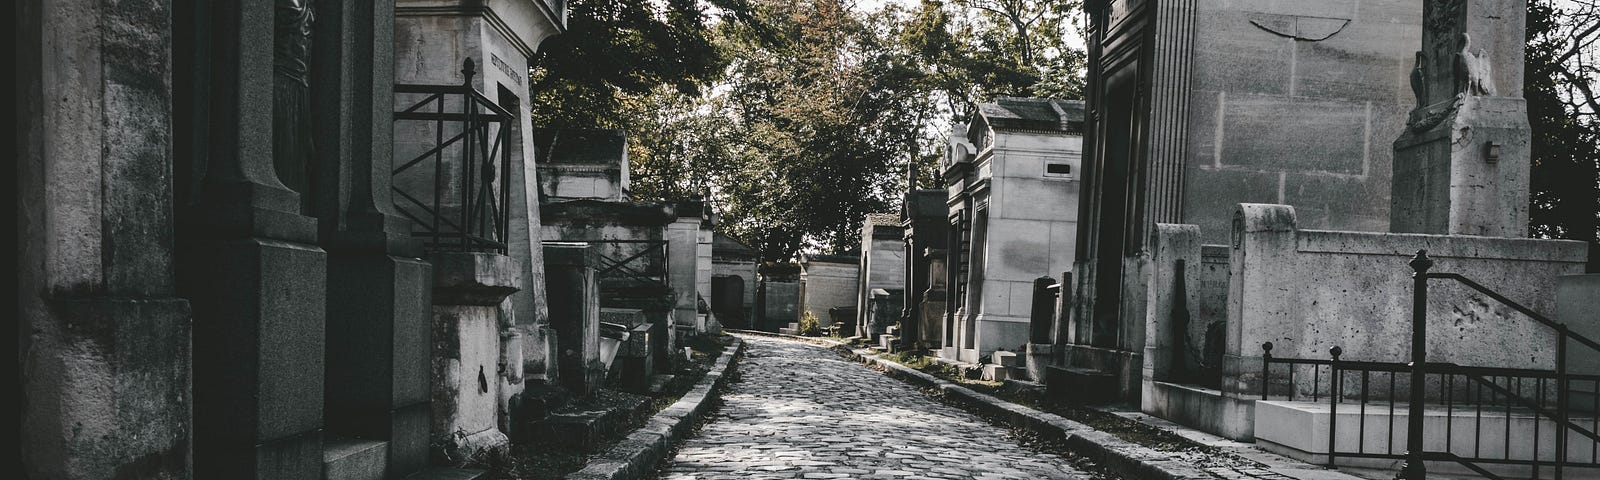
<point x="1461" y="165"/>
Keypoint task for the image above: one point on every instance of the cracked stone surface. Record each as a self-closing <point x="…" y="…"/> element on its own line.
<point x="801" y="411"/>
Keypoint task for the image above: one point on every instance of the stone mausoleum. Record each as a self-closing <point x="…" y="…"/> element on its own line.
<point x="828" y="291"/>
<point x="1197" y="106"/>
<point x="221" y="274"/>
<point x="1012" y="177"/>
<point x="882" y="275"/>
<point x="1259" y="319"/>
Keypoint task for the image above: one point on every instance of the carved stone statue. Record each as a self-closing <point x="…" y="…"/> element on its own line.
<point x="1473" y="71"/>
<point x="1419" y="80"/>
<point x="291" y="97"/>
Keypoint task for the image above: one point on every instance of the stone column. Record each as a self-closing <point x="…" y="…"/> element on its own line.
<point x="468" y="288"/>
<point x="1461" y="165"/>
<point x="702" y="266"/>
<point x="575" y="314"/>
<point x="249" y="260"/>
<point x="683" y="250"/>
<point x="103" y="339"/>
<point x="378" y="289"/>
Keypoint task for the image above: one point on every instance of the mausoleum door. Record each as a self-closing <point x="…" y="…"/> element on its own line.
<point x="1118" y="200"/>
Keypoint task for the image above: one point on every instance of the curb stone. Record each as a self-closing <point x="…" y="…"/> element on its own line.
<point x="1127" y="458"/>
<point x="637" y="454"/>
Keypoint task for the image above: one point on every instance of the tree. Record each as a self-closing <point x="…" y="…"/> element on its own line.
<point x="614" y="49"/>
<point x="825" y="105"/>
<point x="1559" y="84"/>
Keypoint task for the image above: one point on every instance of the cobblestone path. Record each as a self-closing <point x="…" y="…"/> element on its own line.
<point x="801" y="411"/>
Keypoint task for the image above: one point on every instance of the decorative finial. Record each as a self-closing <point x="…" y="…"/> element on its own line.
<point x="469" y="68"/>
<point x="1421" y="263"/>
<point x="1336" y="352"/>
<point x="1267" y="347"/>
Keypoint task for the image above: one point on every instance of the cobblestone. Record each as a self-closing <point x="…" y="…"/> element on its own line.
<point x="803" y="412"/>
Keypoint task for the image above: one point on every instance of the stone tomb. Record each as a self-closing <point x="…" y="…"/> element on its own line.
<point x="883" y="266"/>
<point x="828" y="282"/>
<point x="1012" y="176"/>
<point x="1197" y="106"/>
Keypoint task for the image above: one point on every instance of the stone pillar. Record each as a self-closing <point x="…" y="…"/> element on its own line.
<point x="249" y="260"/>
<point x="379" y="298"/>
<point x="683" y="251"/>
<point x="702" y="280"/>
<point x="930" y="313"/>
<point x="103" y="339"/>
<point x="1461" y="165"/>
<point x="468" y="289"/>
<point x="575" y="314"/>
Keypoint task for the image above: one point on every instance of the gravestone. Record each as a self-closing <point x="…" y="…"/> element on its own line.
<point x="1461" y="165"/>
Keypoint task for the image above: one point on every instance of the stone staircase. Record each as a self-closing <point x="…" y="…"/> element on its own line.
<point x="1004" y="366"/>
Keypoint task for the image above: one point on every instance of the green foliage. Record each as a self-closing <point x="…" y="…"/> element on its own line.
<point x="809" y="326"/>
<point x="616" y="48"/>
<point x="798" y="118"/>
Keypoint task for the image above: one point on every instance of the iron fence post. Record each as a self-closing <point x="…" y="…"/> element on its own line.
<point x="1561" y="398"/>
<point x="1335" y="389"/>
<point x="1413" y="469"/>
<point x="1266" y="366"/>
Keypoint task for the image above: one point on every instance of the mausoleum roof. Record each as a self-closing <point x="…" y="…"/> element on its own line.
<point x="574" y="146"/>
<point x="726" y="246"/>
<point x="1039" y="114"/>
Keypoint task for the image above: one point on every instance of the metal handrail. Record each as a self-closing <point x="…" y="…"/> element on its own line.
<point x="625" y="268"/>
<point x="1510" y="393"/>
<point x="484" y="216"/>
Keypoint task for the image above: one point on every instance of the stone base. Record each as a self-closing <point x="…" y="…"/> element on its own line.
<point x="1127" y="367"/>
<point x="459" y="447"/>
<point x="1203" y="408"/>
<point x="1079" y="385"/>
<point x="1299" y="430"/>
<point x="1037" y="357"/>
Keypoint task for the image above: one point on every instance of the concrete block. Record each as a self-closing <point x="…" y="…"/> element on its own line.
<point x="352" y="459"/>
<point x="1079" y="385"/>
<point x="1006" y="359"/>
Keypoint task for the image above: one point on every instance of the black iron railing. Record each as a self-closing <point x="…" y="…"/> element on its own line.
<point x="630" y="265"/>
<point x="463" y="205"/>
<point x="1457" y="391"/>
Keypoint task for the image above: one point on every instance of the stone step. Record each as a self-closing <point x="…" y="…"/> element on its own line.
<point x="354" y="459"/>
<point x="446" y="473"/>
<point x="1000" y="373"/>
<point x="659" y="383"/>
<point x="1080" y="385"/>
<point x="887" y="343"/>
<point x="1008" y="359"/>
<point x="583" y="427"/>
<point x="789" y="331"/>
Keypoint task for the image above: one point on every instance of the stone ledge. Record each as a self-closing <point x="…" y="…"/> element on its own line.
<point x="1124" y="457"/>
<point x="637" y="454"/>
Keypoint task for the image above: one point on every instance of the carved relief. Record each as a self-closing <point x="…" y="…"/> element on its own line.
<point x="291" y="98"/>
<point x="1445" y="15"/>
<point x="1419" y="80"/>
<point x="1472" y="71"/>
<point x="1309" y="29"/>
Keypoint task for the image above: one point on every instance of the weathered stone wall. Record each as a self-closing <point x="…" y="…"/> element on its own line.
<point x="1296" y="103"/>
<point x="780" y="305"/>
<point x="1030" y="231"/>
<point x="103" y="342"/>
<point x="825" y="285"/>
<point x="1308" y="290"/>
<point x="883" y="265"/>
